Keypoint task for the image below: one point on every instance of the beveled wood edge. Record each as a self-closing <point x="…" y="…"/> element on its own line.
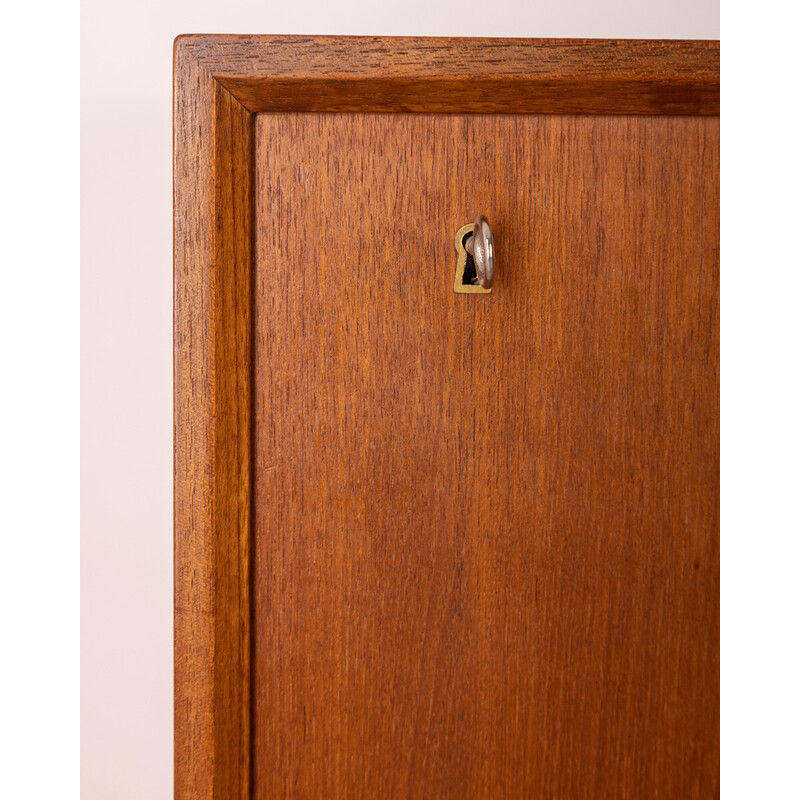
<point x="213" y="215"/>
<point x="219" y="84"/>
<point x="448" y="75"/>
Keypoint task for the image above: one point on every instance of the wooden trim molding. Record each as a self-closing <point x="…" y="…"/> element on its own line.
<point x="543" y="76"/>
<point x="220" y="82"/>
<point x="213" y="199"/>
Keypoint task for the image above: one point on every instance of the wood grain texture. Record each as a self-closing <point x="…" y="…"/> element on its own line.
<point x="362" y="73"/>
<point x="219" y="82"/>
<point x="213" y="368"/>
<point x="486" y="527"/>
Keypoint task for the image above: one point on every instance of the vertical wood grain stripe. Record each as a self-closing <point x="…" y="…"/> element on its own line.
<point x="213" y="222"/>
<point x="194" y="436"/>
<point x="232" y="485"/>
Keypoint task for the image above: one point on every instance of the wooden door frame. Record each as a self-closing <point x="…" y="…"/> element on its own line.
<point x="220" y="83"/>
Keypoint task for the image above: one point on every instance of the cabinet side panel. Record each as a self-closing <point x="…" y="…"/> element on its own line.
<point x="194" y="435"/>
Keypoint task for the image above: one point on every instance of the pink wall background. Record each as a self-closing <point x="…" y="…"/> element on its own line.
<point x="126" y="321"/>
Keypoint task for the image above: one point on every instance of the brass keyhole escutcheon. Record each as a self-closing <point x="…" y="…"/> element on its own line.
<point x="475" y="263"/>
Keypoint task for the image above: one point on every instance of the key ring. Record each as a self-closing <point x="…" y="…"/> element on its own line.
<point x="481" y="247"/>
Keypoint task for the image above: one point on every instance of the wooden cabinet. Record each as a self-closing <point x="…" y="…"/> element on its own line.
<point x="440" y="545"/>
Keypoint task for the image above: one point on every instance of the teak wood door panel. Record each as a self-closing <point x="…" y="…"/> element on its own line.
<point x="485" y="526"/>
<point x="433" y="545"/>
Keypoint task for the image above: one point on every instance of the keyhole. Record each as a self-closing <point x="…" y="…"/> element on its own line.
<point x="467" y="278"/>
<point x="470" y="276"/>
